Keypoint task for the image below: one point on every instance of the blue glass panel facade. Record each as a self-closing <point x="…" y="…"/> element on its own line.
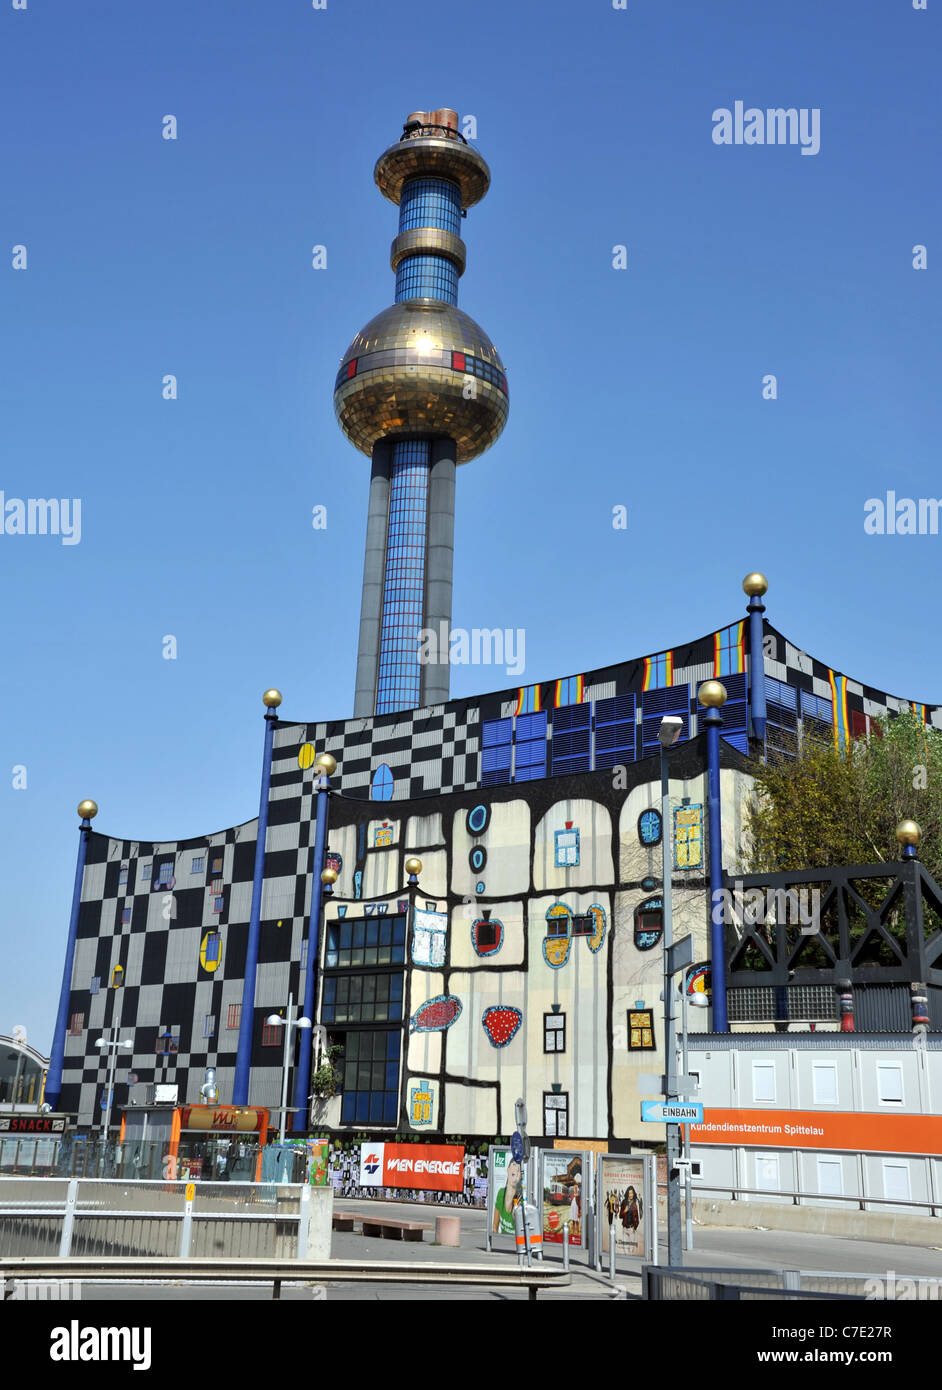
<point x="370" y="1078"/>
<point x="734" y="712"/>
<point x="530" y="760"/>
<point x="427" y="277"/>
<point x="571" y="736"/>
<point x="615" y="731"/>
<point x="399" y="683"/>
<point x="430" y="203"/>
<point x="675" y="699"/>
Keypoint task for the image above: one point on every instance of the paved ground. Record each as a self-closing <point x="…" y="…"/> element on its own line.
<point x="716" y="1247"/>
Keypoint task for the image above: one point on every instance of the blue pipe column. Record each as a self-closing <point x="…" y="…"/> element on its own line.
<point x="755" y="585"/>
<point x="326" y="766"/>
<point x="240" y="1086"/>
<point x="87" y="810"/>
<point x="712" y="694"/>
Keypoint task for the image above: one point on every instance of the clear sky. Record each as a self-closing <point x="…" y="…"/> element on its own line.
<point x="640" y="387"/>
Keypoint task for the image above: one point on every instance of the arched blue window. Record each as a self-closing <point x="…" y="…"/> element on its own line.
<point x="381" y="787"/>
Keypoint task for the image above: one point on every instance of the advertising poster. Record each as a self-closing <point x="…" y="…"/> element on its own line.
<point x="562" y="1196"/>
<point x="506" y="1184"/>
<point x="318" y="1152"/>
<point x="622" y="1200"/>
<point x="422" y="1167"/>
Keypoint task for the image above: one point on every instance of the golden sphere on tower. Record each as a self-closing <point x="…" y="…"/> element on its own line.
<point x="755" y="584"/>
<point x="272" y="698"/>
<point x="88" y="810"/>
<point x="329" y="876"/>
<point x="327" y="764"/>
<point x="712" y="694"/>
<point x="414" y="866"/>
<point x="908" y="832"/>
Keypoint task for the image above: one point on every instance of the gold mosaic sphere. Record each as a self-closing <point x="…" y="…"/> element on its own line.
<point x="88" y="810"/>
<point x="908" y="832"/>
<point x="407" y="375"/>
<point x="414" y="866"/>
<point x="712" y="694"/>
<point x="755" y="584"/>
<point x="327" y="764"/>
<point x="329" y="876"/>
<point x="272" y="699"/>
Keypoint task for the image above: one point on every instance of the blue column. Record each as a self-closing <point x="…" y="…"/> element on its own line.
<point x="54" y="1075"/>
<point x="713" y="721"/>
<point x="240" y="1086"/>
<point x="302" y="1082"/>
<point x="755" y="608"/>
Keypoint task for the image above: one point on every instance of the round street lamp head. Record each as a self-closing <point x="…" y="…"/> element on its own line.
<point x="698" y="1000"/>
<point x="88" y="810"/>
<point x="329" y="876"/>
<point x="274" y="1021"/>
<point x="908" y="832"/>
<point x="271" y="699"/>
<point x="413" y="866"/>
<point x="712" y="694"/>
<point x="327" y="764"/>
<point x="755" y="584"/>
<point x="100" y="1042"/>
<point x="303" y="1023"/>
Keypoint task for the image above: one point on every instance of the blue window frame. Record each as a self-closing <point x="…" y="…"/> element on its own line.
<point x="567" y="849"/>
<point x="530" y="751"/>
<point x="817" y="715"/>
<point x="370" y="1077"/>
<point x="383" y="783"/>
<point x="366" y="941"/>
<point x="496" y="748"/>
<point x="781" y="709"/>
<point x="615" y="731"/>
<point x="570" y="743"/>
<point x="362" y="998"/>
<point x="675" y="699"/>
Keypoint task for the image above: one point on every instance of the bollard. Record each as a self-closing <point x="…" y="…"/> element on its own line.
<point x="448" y="1230"/>
<point x="611" y="1252"/>
<point x="65" y="1242"/>
<point x="187" y="1231"/>
<point x="566" y="1245"/>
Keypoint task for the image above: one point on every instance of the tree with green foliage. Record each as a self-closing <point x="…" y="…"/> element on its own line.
<point x="823" y="807"/>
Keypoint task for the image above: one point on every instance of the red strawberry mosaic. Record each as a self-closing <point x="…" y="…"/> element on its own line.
<point x="435" y="1014"/>
<point x="501" y="1022"/>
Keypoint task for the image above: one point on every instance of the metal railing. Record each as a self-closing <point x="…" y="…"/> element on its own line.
<point x="813" y="1199"/>
<point x="111" y="1217"/>
<point x="14" y="1272"/>
<point x="663" y="1283"/>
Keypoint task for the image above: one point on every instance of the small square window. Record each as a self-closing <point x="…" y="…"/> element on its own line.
<point x="146" y="870"/>
<point x="763" y="1082"/>
<point x="554" y="1032"/>
<point x="216" y="886"/>
<point x="196" y="864"/>
<point x="273" y="1034"/>
<point x="557" y="926"/>
<point x="219" y="903"/>
<point x="76" y="1024"/>
<point x="567" y="849"/>
<point x="234" y="1017"/>
<point x="122" y="878"/>
<point x="824" y="1083"/>
<point x="209" y="1025"/>
<point x="555" y="1115"/>
<point x="95" y="985"/>
<point x="213" y="947"/>
<point x="168" y="1044"/>
<point x="216" y="866"/>
<point x="125" y="915"/>
<point x="583" y="926"/>
<point x="890" y="1084"/>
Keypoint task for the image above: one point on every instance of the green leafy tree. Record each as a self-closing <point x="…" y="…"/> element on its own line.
<point x="821" y="808"/>
<point x="327" y="1078"/>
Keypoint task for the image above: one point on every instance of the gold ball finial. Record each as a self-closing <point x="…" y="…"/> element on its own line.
<point x="755" y="584"/>
<point x="712" y="694"/>
<point x="329" y="876"/>
<point x="88" y="810"/>
<point x="908" y="832"/>
<point x="414" y="866"/>
<point x="327" y="764"/>
<point x="271" y="699"/>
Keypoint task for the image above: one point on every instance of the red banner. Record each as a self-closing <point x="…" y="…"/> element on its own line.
<point x="422" y="1167"/>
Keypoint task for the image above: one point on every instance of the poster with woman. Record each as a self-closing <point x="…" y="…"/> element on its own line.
<point x="505" y="1188"/>
<point x="621" y="1186"/>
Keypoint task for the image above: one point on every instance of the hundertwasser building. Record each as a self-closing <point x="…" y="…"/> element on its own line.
<point x="522" y="955"/>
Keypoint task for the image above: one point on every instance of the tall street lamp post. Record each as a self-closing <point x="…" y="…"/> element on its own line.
<point x="276" y="1021"/>
<point x="114" y="1046"/>
<point x="696" y="1001"/>
<point x="668" y="734"/>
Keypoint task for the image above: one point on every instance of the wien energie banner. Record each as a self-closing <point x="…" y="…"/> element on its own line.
<point x="432" y="1167"/>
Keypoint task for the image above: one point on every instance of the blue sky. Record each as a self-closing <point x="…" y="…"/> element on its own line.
<point x="640" y="387"/>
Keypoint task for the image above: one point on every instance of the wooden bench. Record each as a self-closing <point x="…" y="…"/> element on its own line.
<point x="394" y="1230"/>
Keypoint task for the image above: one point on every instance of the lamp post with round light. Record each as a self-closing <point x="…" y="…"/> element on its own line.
<point x="276" y="1021"/>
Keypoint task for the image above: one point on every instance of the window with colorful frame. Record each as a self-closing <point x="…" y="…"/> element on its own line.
<point x="658" y="671"/>
<point x="209" y="1025"/>
<point x="641" y="1030"/>
<point x="528" y="700"/>
<point x="234" y="1016"/>
<point x="688" y="837"/>
<point x="569" y="691"/>
<point x="567" y="848"/>
<point x="729" y="657"/>
<point x="76" y="1024"/>
<point x="557" y="925"/>
<point x="650" y="827"/>
<point x="272" y="1034"/>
